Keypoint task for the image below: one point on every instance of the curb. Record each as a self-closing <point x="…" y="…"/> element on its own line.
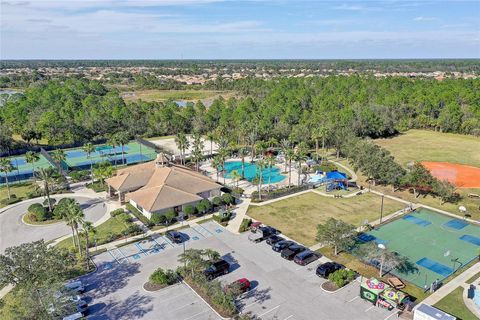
<point x="208" y="304"/>
<point x="38" y="225"/>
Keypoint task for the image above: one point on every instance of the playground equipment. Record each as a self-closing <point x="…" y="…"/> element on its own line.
<point x="382" y="295"/>
<point x="333" y="180"/>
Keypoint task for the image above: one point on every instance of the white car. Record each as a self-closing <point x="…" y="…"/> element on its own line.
<point x="74" y="316"/>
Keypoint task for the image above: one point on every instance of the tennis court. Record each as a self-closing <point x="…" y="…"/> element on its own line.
<point x="23" y="170"/>
<point x="435" y="244"/>
<point x="133" y="152"/>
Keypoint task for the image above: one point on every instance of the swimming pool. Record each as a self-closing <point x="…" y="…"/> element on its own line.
<point x="251" y="171"/>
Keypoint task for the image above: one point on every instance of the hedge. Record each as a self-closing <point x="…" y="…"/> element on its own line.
<point x="116" y="212"/>
<point x="139" y="215"/>
<point x="245" y="225"/>
<point x="38" y="211"/>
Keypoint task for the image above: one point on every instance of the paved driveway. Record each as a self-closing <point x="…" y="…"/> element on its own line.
<point x="281" y="289"/>
<point x="14" y="232"/>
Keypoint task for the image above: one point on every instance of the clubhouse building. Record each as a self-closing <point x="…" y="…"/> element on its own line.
<point x="159" y="186"/>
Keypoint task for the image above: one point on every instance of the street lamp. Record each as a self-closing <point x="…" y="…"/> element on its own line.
<point x="381" y="210"/>
<point x="382" y="247"/>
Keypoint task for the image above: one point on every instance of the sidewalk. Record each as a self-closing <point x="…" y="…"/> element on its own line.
<point x="240" y="213"/>
<point x="452" y="285"/>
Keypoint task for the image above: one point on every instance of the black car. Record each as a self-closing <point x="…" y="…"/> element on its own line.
<point x="174" y="236"/>
<point x="305" y="257"/>
<point x="292" y="251"/>
<point x="279" y="246"/>
<point x="274" y="239"/>
<point x="217" y="269"/>
<point x="324" y="270"/>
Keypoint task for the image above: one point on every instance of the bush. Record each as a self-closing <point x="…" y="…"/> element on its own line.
<point x="204" y="206"/>
<point x="217" y="201"/>
<point x="116" y="212"/>
<point x="167" y="277"/>
<point x="139" y="215"/>
<point x="222" y="216"/>
<point x="170" y="215"/>
<point x="52" y="202"/>
<point x="134" y="229"/>
<point x="38" y="211"/>
<point x="60" y="207"/>
<point x="245" y="225"/>
<point x="189" y="210"/>
<point x="158" y="218"/>
<point x="324" y="167"/>
<point x="228" y="198"/>
<point x="237" y="192"/>
<point x="342" y="277"/>
<point x="81" y="175"/>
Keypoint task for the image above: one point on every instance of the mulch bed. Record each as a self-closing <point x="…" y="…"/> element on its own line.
<point x="205" y="297"/>
<point x="148" y="286"/>
<point x="330" y="286"/>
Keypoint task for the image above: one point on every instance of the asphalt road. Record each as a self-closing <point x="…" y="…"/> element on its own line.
<point x="14" y="232"/>
<point x="281" y="289"/>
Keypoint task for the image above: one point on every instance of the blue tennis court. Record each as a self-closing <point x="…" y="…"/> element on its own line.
<point x="456" y="224"/>
<point x="417" y="221"/>
<point x="435" y="267"/>
<point x="471" y="239"/>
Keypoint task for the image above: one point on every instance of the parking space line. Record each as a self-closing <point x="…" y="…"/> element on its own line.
<point x="369" y="308"/>
<point x="113" y="256"/>
<point x="393" y="314"/>
<point x="299" y="268"/>
<point x="197" y="314"/>
<point x="196" y="231"/>
<point x="269" y="311"/>
<point x="164" y="239"/>
<point x="288" y="317"/>
<point x="180" y="295"/>
<point x="248" y="305"/>
<point x="354" y="298"/>
<point x="187" y="305"/>
<point x="141" y="249"/>
<point x="204" y="229"/>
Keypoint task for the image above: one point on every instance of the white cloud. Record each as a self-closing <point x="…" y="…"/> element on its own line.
<point x="421" y="18"/>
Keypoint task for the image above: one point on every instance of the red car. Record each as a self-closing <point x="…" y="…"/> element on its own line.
<point x="255" y="225"/>
<point x="243" y="285"/>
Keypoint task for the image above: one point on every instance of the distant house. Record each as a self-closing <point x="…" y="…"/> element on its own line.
<point x="158" y="186"/>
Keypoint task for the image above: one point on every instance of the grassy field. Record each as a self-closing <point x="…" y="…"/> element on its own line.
<point x="298" y="217"/>
<point x="19" y="189"/>
<point x="453" y="304"/>
<point x="161" y="95"/>
<point x="422" y="145"/>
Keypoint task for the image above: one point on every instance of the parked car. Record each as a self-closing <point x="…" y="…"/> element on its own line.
<point x="262" y="234"/>
<point x="279" y="246"/>
<point x="306" y="257"/>
<point x="174" y="236"/>
<point x="242" y="285"/>
<point x="274" y="239"/>
<point x="255" y="225"/>
<point x="74" y="316"/>
<point x="75" y="286"/>
<point x="216" y="269"/>
<point x="292" y="251"/>
<point x="324" y="270"/>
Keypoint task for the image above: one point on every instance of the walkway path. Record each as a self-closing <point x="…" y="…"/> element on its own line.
<point x="456" y="282"/>
<point x="240" y="212"/>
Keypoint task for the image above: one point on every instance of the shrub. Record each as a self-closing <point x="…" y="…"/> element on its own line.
<point x="324" y="167"/>
<point x="237" y="192"/>
<point x="342" y="277"/>
<point x="60" y="207"/>
<point x="139" y="215"/>
<point x="189" y="210"/>
<point x="158" y="218"/>
<point x="200" y="207"/>
<point x="134" y="229"/>
<point x="52" y="202"/>
<point x="170" y="215"/>
<point x="217" y="201"/>
<point x="80" y="175"/>
<point x="245" y="225"/>
<point x="228" y="198"/>
<point x="160" y="276"/>
<point x="38" y="211"/>
<point x="116" y="212"/>
<point x="207" y="204"/>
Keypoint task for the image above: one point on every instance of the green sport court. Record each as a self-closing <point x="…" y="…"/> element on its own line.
<point x="134" y="152"/>
<point x="23" y="170"/>
<point x="435" y="244"/>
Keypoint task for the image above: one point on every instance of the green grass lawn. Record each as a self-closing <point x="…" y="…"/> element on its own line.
<point x="19" y="189"/>
<point x="453" y="304"/>
<point x="161" y="95"/>
<point x="298" y="217"/>
<point x="113" y="226"/>
<point x="423" y="145"/>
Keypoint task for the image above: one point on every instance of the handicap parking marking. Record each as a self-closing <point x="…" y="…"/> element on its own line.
<point x="108" y="266"/>
<point x="218" y="230"/>
<point x="195" y="238"/>
<point x="136" y="256"/>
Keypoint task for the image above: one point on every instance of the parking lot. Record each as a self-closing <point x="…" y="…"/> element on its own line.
<point x="281" y="289"/>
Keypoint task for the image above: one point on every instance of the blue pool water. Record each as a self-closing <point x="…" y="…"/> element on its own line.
<point x="251" y="171"/>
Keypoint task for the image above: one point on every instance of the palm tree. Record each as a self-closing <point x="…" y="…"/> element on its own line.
<point x="197" y="152"/>
<point x="32" y="157"/>
<point x="243" y="152"/>
<point x="270" y="162"/>
<point x="122" y="139"/>
<point x="252" y="139"/>
<point x="74" y="216"/>
<point x="211" y="138"/>
<point x="261" y="147"/>
<point x="289" y="156"/>
<point x="235" y="177"/>
<point x="88" y="229"/>
<point x="89" y="148"/>
<point x="6" y="167"/>
<point x="323" y="132"/>
<point x="316" y="136"/>
<point x="285" y="145"/>
<point x="300" y="156"/>
<point x="47" y="177"/>
<point x="260" y="166"/>
<point x="223" y="154"/>
<point x="182" y="144"/>
<point x="58" y="156"/>
<point x="216" y="162"/>
<point x="103" y="170"/>
<point x="113" y="142"/>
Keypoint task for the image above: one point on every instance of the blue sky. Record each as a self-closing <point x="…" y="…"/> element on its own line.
<point x="216" y="29"/>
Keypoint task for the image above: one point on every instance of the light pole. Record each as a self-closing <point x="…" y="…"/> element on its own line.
<point x="381" y="210"/>
<point x="382" y="247"/>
